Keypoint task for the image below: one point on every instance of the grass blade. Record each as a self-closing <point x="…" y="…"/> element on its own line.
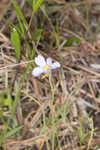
<point x="15" y="40"/>
<point x="36" y="5"/>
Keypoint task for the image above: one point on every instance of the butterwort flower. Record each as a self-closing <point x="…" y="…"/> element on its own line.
<point x="44" y="65"/>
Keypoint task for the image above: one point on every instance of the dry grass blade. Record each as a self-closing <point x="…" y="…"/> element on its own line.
<point x="88" y="70"/>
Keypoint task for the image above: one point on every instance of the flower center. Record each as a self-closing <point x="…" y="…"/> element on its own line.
<point x="46" y="68"/>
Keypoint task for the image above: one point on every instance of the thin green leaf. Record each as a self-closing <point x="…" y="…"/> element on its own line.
<point x="36" y="5"/>
<point x="22" y="29"/>
<point x="12" y="132"/>
<point x="15" y="40"/>
<point x="17" y="98"/>
<point x="72" y="40"/>
<point x="36" y="34"/>
<point x="18" y="11"/>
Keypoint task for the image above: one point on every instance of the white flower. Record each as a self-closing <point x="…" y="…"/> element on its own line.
<point x="44" y="66"/>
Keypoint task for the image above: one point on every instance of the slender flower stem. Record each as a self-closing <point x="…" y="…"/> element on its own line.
<point x="52" y="110"/>
<point x="52" y="88"/>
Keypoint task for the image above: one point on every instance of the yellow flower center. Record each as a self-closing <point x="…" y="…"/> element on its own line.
<point x="46" y="68"/>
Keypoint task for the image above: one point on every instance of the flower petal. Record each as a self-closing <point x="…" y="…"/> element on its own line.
<point x="40" y="61"/>
<point x="55" y="65"/>
<point x="37" y="71"/>
<point x="49" y="61"/>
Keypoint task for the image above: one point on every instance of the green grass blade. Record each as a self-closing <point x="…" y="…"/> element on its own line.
<point x="17" y="98"/>
<point x="15" y="40"/>
<point x="36" y="5"/>
<point x="18" y="11"/>
<point x="21" y="29"/>
<point x="36" y="35"/>
<point x="12" y="131"/>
